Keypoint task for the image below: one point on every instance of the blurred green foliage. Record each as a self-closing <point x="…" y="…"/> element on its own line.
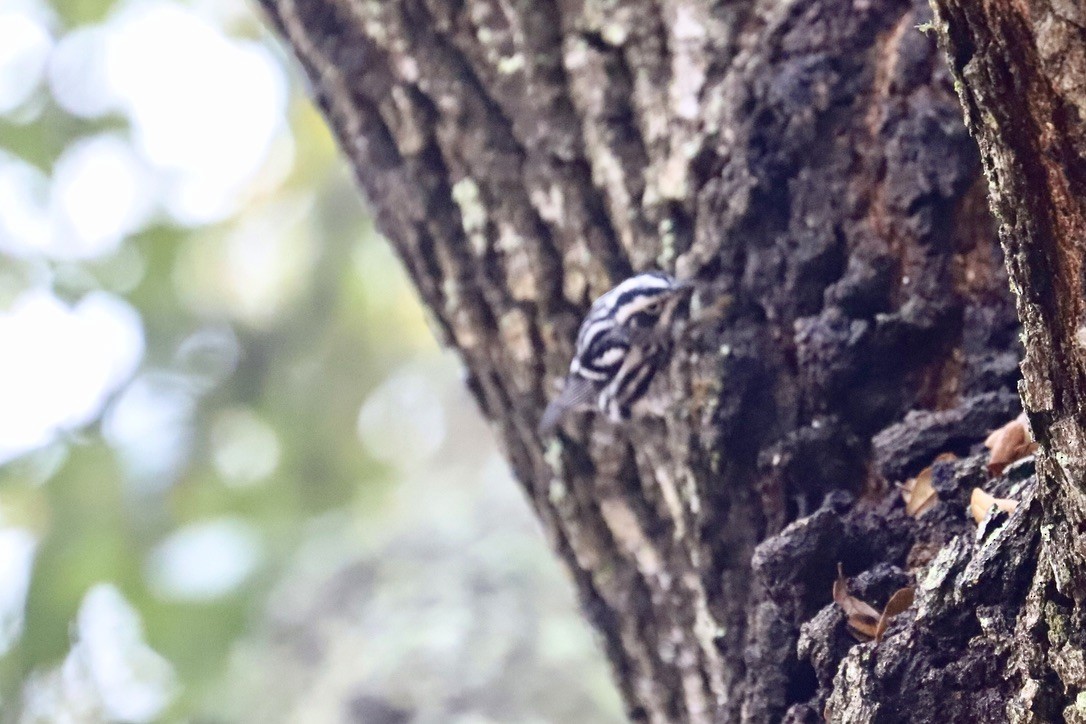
<point x="382" y="562"/>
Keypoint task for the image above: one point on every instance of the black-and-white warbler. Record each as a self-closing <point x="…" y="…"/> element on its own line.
<point x="621" y="345"/>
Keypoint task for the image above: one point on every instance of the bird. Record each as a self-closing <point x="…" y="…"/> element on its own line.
<point x="621" y="344"/>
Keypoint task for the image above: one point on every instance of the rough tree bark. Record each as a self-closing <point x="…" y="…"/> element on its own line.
<point x="1020" y="71"/>
<point x="806" y="162"/>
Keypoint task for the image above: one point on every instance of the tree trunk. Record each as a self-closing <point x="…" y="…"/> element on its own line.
<point x="1020" y="70"/>
<point x="806" y="163"/>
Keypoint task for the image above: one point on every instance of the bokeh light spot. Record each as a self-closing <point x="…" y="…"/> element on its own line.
<point x="24" y="48"/>
<point x="100" y="193"/>
<point x="402" y="421"/>
<point x="150" y="426"/>
<point x="245" y="449"/>
<point x="110" y="674"/>
<point x="204" y="561"/>
<point x="17" y="546"/>
<point x="61" y="363"/>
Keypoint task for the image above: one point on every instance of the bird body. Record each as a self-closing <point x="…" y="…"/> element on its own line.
<point x="620" y="347"/>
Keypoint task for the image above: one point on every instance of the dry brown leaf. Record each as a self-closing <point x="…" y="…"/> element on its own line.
<point x="850" y="604"/>
<point x="901" y="600"/>
<point x="862" y="627"/>
<point x="918" y="494"/>
<point x="864" y="622"/>
<point x="1009" y="443"/>
<point x="862" y="619"/>
<point x="981" y="502"/>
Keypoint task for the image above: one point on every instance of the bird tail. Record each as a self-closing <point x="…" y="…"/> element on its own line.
<point x="576" y="393"/>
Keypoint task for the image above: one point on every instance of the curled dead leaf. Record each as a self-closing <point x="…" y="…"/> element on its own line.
<point x="861" y="618"/>
<point x="918" y="493"/>
<point x="1009" y="443"/>
<point x="981" y="502"/>
<point x="901" y="600"/>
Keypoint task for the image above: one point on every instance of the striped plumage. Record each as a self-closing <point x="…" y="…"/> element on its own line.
<point x="619" y="348"/>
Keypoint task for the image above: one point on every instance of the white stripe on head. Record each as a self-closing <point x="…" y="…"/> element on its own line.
<point x="611" y="356"/>
<point x="651" y="281"/>
<point x="634" y="306"/>
<point x="576" y="369"/>
<point x="590" y="328"/>
<point x="641" y="281"/>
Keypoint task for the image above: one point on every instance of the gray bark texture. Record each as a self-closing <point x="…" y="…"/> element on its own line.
<point x="806" y="163"/>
